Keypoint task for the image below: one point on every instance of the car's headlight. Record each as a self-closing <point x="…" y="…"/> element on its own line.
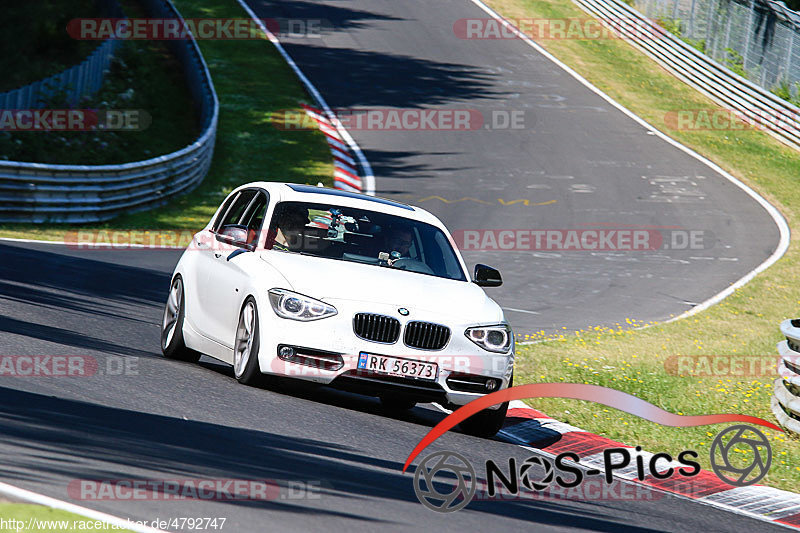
<point x="495" y="338"/>
<point x="288" y="304"/>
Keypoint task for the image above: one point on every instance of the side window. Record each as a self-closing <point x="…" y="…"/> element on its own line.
<point x="221" y="215"/>
<point x="236" y="209"/>
<point x="254" y="217"/>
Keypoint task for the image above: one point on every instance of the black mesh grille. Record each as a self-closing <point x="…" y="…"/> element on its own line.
<point x="376" y="328"/>
<point x="793" y="345"/>
<point x="426" y="336"/>
<point x="792" y="365"/>
<point x="788" y="412"/>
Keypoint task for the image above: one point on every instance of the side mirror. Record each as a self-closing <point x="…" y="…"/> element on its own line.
<point x="486" y="276"/>
<point x="235" y="235"/>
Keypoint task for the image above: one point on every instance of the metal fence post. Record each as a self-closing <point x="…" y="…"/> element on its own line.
<point x="727" y="32"/>
<point x="711" y="34"/>
<point x="748" y="34"/>
<point x="788" y="67"/>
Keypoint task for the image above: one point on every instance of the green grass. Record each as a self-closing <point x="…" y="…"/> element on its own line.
<point x="142" y="76"/>
<point x="254" y="85"/>
<point x="44" y="519"/>
<point x="633" y="360"/>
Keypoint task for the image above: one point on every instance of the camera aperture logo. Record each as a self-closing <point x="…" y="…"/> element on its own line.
<point x="448" y="462"/>
<point x="746" y="468"/>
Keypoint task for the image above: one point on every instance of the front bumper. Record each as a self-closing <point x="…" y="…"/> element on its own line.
<point x="463" y="367"/>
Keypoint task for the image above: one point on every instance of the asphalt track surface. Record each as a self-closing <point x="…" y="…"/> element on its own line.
<point x="600" y="167"/>
<point x="163" y="420"/>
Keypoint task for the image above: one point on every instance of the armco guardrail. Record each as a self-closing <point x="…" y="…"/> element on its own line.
<point x="786" y="396"/>
<point x="764" y="109"/>
<point x="762" y="36"/>
<point x="34" y="192"/>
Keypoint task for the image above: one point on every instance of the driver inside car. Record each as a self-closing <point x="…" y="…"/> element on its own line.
<point x="289" y="235"/>
<point x="401" y="241"/>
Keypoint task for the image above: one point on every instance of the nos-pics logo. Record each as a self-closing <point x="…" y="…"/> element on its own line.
<point x="446" y="481"/>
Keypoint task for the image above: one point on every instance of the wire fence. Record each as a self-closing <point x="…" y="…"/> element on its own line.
<point x="757" y="38"/>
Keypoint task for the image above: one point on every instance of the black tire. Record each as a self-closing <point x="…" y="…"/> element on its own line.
<point x="172" y="344"/>
<point x="488" y="422"/>
<point x="394" y="403"/>
<point x="246" y="370"/>
<point x="485" y="424"/>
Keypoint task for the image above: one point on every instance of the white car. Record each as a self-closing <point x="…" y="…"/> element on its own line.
<point x="343" y="289"/>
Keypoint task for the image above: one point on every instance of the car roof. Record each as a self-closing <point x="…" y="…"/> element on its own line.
<point x="337" y="192"/>
<point x="308" y="193"/>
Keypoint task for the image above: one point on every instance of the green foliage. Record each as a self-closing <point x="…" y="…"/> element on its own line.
<point x="143" y="76"/>
<point x="674" y="26"/>
<point x="697" y="44"/>
<point x="734" y="61"/>
<point x="785" y="90"/>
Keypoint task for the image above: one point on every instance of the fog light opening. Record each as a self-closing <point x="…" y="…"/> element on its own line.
<point x="286" y="352"/>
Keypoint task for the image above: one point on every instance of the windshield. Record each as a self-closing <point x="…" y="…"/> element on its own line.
<point x="362" y="236"/>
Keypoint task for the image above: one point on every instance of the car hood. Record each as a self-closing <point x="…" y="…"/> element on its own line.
<point x="330" y="279"/>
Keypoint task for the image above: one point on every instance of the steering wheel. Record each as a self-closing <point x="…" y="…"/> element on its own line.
<point x="412" y="265"/>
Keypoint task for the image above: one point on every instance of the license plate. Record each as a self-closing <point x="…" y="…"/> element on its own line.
<point x="395" y="366"/>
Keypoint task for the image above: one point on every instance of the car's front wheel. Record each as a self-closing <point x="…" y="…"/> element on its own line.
<point x="394" y="403"/>
<point x="172" y="344"/>
<point x="245" y="356"/>
<point x="487" y="422"/>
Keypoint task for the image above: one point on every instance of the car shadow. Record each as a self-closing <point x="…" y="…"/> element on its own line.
<point x="83" y="299"/>
<point x="56" y="439"/>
